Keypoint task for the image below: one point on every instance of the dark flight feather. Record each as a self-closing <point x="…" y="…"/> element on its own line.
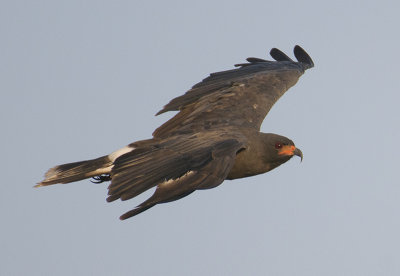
<point x="211" y="173"/>
<point x="134" y="173"/>
<point x="244" y="102"/>
<point x="303" y="57"/>
<point x="265" y="81"/>
<point x="278" y="55"/>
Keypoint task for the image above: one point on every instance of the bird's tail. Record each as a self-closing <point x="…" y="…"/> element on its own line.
<point x="77" y="171"/>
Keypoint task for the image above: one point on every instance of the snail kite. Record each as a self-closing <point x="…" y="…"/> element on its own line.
<point x="215" y="136"/>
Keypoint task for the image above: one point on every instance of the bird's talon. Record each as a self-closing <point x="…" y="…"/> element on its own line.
<point x="100" y="178"/>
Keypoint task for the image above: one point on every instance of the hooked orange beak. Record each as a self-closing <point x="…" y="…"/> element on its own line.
<point x="291" y="150"/>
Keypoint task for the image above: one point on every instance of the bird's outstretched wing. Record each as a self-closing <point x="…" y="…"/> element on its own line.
<point x="183" y="164"/>
<point x="240" y="97"/>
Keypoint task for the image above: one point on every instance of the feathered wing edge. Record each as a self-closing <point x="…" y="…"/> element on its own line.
<point x="175" y="176"/>
<point x="303" y="57"/>
<point x="224" y="79"/>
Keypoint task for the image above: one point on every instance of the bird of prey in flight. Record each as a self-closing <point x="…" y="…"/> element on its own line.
<point x="214" y="136"/>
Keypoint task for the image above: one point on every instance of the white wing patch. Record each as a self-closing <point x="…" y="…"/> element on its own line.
<point x="172" y="180"/>
<point x="113" y="156"/>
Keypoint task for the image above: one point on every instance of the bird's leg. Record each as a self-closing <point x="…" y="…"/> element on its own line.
<point x="101" y="178"/>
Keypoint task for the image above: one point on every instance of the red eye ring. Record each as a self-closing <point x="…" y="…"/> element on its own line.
<point x="278" y="145"/>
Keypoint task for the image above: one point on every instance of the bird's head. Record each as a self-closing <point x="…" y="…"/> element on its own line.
<point x="280" y="149"/>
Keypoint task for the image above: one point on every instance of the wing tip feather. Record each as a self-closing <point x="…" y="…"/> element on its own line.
<point x="136" y="211"/>
<point x="278" y="55"/>
<point x="303" y="57"/>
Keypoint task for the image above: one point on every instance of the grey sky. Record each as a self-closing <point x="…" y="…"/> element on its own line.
<point x="80" y="79"/>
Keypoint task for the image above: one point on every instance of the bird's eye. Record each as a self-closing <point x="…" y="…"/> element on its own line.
<point x="278" y="145"/>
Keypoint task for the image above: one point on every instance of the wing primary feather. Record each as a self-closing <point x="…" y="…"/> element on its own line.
<point x="138" y="209"/>
<point x="254" y="59"/>
<point x="251" y="61"/>
<point x="278" y="55"/>
<point x="303" y="57"/>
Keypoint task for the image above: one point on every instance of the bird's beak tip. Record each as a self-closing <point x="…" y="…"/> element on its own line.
<point x="298" y="152"/>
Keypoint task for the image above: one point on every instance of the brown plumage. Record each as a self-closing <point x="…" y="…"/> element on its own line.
<point x="215" y="136"/>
